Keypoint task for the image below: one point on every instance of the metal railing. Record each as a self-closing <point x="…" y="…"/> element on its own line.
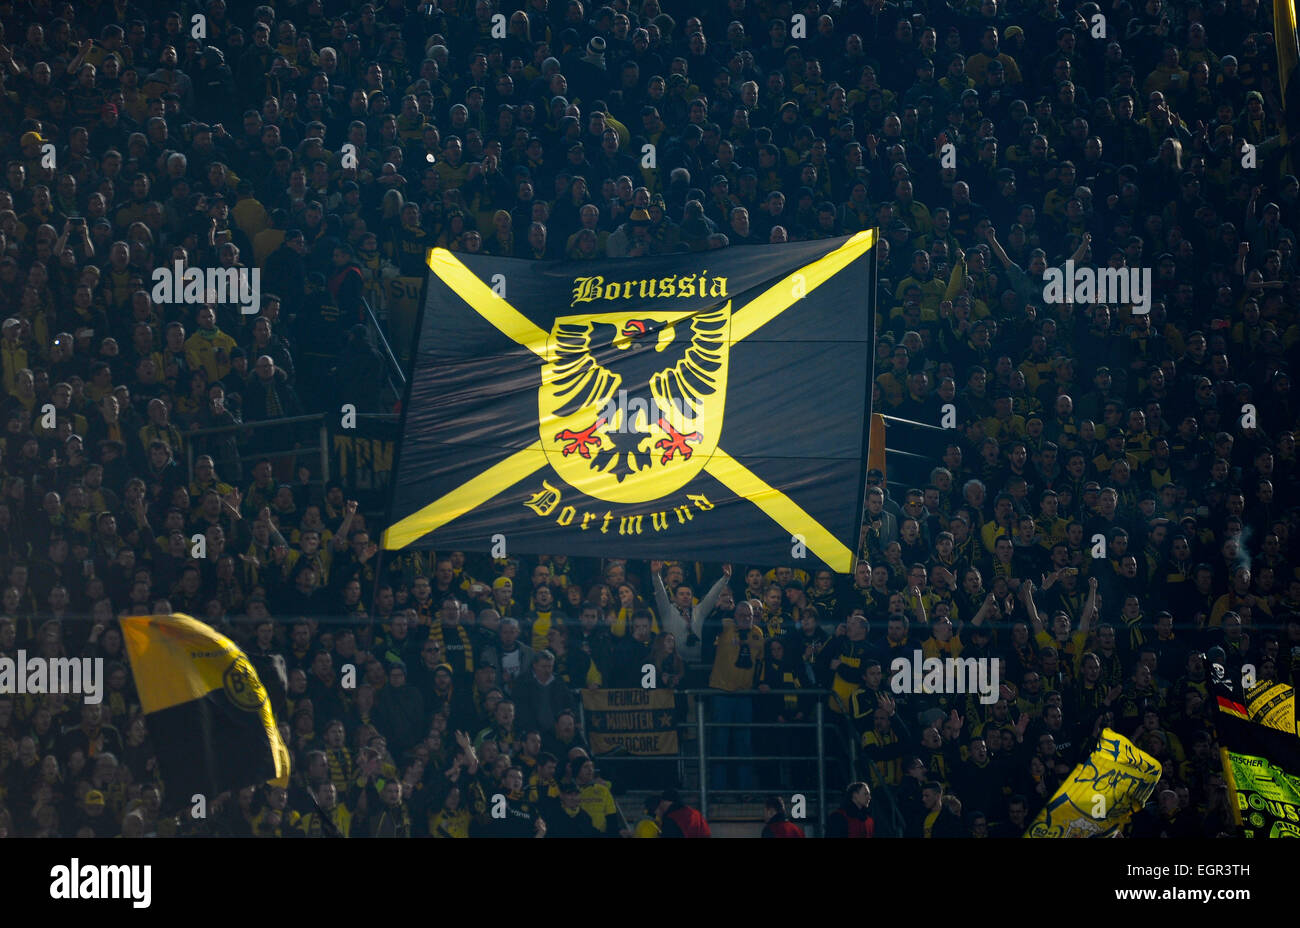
<point x="880" y="788"/>
<point x="701" y="726"/>
<point x="321" y="449"/>
<point x="914" y="447"/>
<point x="398" y="386"/>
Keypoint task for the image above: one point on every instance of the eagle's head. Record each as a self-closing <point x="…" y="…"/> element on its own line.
<point x="635" y="329"/>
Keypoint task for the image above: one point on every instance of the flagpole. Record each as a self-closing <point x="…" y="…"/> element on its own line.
<point x="326" y="823"/>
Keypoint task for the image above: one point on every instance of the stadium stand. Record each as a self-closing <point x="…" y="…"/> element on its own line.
<point x="329" y="144"/>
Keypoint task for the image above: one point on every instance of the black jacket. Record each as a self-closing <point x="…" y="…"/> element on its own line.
<point x="537" y="705"/>
<point x="559" y="824"/>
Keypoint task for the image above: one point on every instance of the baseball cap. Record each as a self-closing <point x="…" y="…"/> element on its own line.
<point x="31" y="138"/>
<point x="1013" y="31"/>
<point x="94" y="798"/>
<point x="499" y="582"/>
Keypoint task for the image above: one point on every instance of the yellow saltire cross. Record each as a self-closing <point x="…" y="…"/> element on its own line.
<point x="732" y="474"/>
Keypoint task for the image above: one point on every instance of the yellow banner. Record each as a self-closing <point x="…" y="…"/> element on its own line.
<point x="1265" y="798"/>
<point x="639" y="721"/>
<point x="1273" y="706"/>
<point x="1102" y="793"/>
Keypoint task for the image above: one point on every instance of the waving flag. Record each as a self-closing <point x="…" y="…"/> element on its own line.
<point x="712" y="405"/>
<point x="207" y="711"/>
<point x="1102" y="793"/>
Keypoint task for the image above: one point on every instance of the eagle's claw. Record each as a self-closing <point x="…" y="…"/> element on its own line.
<point x="578" y="441"/>
<point x="676" y="442"/>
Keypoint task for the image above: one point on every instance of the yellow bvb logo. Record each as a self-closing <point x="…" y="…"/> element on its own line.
<point x="631" y="403"/>
<point x="242" y="686"/>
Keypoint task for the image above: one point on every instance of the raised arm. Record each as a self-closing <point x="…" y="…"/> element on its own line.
<point x="957" y="279"/>
<point x="662" y="600"/>
<point x="1027" y="597"/>
<point x="996" y="247"/>
<point x="919" y="611"/>
<point x="1090" y="607"/>
<point x="711" y="598"/>
<point x="1082" y="250"/>
<point x="987" y="608"/>
<point x="670" y="617"/>
<point x="345" y="527"/>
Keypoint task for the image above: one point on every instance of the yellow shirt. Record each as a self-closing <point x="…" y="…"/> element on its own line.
<point x="599" y="803"/>
<point x="201" y="351"/>
<point x="990" y="533"/>
<point x="1071" y="652"/>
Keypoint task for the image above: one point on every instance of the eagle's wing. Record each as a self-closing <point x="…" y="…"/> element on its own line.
<point x="693" y="379"/>
<point x="579" y="381"/>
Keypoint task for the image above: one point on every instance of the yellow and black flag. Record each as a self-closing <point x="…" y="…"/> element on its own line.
<point x="208" y="713"/>
<point x="713" y="405"/>
<point x="1259" y="744"/>
<point x="1100" y="796"/>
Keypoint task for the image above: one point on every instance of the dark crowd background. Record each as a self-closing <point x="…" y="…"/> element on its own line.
<point x="1118" y="498"/>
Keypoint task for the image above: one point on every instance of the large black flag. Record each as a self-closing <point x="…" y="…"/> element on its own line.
<point x="708" y="406"/>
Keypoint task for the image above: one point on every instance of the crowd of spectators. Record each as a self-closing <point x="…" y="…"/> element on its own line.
<point x="1118" y="498"/>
